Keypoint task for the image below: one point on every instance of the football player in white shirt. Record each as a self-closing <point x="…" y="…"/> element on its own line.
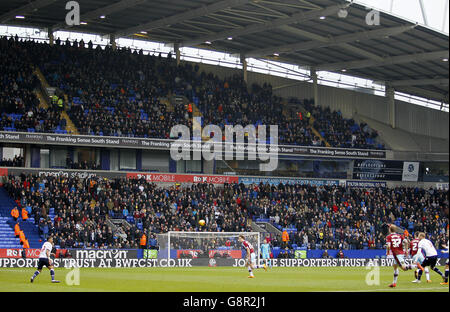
<point x="446" y="266"/>
<point x="431" y="256"/>
<point x="44" y="260"/>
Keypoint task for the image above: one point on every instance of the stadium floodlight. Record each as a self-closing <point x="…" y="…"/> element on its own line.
<point x="102" y="16"/>
<point x="202" y="242"/>
<point x="20" y="16"/>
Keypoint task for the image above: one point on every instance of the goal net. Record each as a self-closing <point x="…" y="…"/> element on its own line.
<point x="173" y="245"/>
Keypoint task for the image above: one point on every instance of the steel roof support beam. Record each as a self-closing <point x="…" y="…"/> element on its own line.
<point x="296" y="18"/>
<point x="331" y="41"/>
<point x="424" y="13"/>
<point x="400" y="59"/>
<point x="23" y="10"/>
<point x="346" y="46"/>
<point x="177" y="18"/>
<point x="278" y="13"/>
<point x="390" y="97"/>
<point x="307" y="6"/>
<point x="426" y="93"/>
<point x="419" y="82"/>
<point x="89" y="16"/>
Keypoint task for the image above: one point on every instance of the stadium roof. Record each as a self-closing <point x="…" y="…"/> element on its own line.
<point x="322" y="34"/>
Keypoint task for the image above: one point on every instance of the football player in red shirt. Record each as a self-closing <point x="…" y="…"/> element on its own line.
<point x="251" y="256"/>
<point x="396" y="245"/>
<point x="417" y="258"/>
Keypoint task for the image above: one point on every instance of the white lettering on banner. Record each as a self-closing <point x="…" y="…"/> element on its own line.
<point x="12" y="137"/>
<point x="128" y="141"/>
<point x="99" y="254"/>
<point x="54" y="174"/>
<point x="157" y="177"/>
<point x="34" y="137"/>
<point x="84" y="140"/>
<point x="188" y="146"/>
<point x="12" y="252"/>
<point x="187" y="263"/>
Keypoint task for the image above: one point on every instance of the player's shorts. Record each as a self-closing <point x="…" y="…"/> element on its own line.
<point x="265" y="255"/>
<point x="253" y="258"/>
<point x="430" y="261"/>
<point x="418" y="258"/>
<point x="400" y="259"/>
<point x="43" y="262"/>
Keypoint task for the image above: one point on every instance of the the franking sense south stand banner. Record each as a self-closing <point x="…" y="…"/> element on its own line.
<point x="165" y="144"/>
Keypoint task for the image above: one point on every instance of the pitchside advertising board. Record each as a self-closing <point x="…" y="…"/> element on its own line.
<point x="276" y="181"/>
<point x="189" y="263"/>
<point x="187" y="178"/>
<point x="313" y="182"/>
<point x="386" y="170"/>
<point x="132" y="258"/>
<point x="150" y="177"/>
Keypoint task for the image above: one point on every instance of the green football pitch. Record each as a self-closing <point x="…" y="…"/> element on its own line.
<point x="205" y="279"/>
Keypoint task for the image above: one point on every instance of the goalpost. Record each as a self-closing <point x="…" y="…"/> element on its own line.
<point x="173" y="242"/>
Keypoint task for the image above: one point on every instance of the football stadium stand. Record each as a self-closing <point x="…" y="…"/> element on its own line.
<point x="76" y="211"/>
<point x="117" y="93"/>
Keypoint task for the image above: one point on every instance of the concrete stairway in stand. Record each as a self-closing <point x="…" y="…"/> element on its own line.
<point x="70" y="126"/>
<point x="7" y="238"/>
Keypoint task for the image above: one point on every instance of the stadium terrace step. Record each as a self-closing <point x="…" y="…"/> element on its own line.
<point x="311" y="124"/>
<point x="168" y="104"/>
<point x="41" y="77"/>
<point x="42" y="100"/>
<point x="71" y="128"/>
<point x="7" y="237"/>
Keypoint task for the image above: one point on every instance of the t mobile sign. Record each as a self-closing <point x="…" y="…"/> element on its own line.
<point x="18" y="253"/>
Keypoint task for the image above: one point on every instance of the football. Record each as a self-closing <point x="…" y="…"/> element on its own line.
<point x="202" y="222"/>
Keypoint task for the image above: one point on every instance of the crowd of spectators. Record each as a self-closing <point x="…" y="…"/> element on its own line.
<point x="17" y="80"/>
<point x="19" y="105"/>
<point x="336" y="217"/>
<point x="17" y="161"/>
<point x="339" y="131"/>
<point x="320" y="217"/>
<point x="83" y="165"/>
<point x="117" y="93"/>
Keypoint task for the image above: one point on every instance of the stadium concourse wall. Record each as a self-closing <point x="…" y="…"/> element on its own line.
<point x="429" y="128"/>
<point x="169" y="179"/>
<point x="133" y="258"/>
